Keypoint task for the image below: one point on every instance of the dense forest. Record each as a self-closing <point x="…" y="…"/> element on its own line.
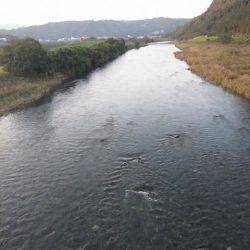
<point x="105" y="28"/>
<point x="222" y="17"/>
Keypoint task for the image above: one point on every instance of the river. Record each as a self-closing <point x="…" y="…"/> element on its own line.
<point x="142" y="154"/>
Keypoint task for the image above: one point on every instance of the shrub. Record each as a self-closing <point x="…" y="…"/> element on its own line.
<point x="226" y="38"/>
<point x="77" y="61"/>
<point x="25" y="57"/>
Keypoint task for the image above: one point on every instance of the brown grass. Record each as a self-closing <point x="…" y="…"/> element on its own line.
<point x="225" y="65"/>
<point x="16" y="93"/>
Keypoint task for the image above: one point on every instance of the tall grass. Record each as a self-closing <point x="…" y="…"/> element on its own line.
<point x="225" y="65"/>
<point x="16" y="93"/>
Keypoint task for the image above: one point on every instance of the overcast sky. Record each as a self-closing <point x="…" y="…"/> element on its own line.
<point x="29" y="12"/>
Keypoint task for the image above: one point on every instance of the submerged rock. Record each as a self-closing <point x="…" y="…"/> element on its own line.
<point x="143" y="188"/>
<point x="95" y="228"/>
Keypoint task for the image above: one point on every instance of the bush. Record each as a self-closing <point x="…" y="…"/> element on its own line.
<point x="226" y="38"/>
<point x="25" y="57"/>
<point x="77" y="61"/>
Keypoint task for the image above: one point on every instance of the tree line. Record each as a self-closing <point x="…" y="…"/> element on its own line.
<point x="27" y="58"/>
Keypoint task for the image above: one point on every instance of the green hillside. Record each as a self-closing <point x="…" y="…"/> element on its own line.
<point x="222" y="17"/>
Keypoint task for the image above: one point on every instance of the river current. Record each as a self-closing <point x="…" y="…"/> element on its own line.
<point x="142" y="154"/>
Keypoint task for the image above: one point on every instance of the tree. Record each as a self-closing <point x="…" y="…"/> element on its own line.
<point x="77" y="61"/>
<point x="25" y="57"/>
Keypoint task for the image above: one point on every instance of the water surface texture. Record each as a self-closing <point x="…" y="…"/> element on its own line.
<point x="142" y="154"/>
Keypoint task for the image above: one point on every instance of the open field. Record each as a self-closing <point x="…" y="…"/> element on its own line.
<point x="85" y="43"/>
<point x="236" y="39"/>
<point x="225" y="65"/>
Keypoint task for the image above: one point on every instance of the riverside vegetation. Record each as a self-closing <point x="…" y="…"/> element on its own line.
<point x="29" y="72"/>
<point x="227" y="65"/>
<point x="216" y="45"/>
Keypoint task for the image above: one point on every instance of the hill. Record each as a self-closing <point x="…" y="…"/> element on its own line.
<point x="222" y="17"/>
<point x="5" y="38"/>
<point x="104" y="28"/>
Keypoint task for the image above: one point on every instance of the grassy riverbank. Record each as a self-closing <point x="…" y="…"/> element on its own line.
<point x="16" y="93"/>
<point x="227" y="65"/>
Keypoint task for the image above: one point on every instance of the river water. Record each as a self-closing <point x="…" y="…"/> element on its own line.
<point x="142" y="154"/>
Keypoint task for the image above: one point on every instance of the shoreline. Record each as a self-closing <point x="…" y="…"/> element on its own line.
<point x="17" y="93"/>
<point x="225" y="65"/>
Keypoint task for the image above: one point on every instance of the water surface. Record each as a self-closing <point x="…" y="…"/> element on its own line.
<point x="142" y="154"/>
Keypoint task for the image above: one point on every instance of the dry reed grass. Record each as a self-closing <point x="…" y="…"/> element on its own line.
<point x="16" y="93"/>
<point x="226" y="65"/>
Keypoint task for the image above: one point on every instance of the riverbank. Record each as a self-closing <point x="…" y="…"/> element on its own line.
<point x="226" y="65"/>
<point x="19" y="92"/>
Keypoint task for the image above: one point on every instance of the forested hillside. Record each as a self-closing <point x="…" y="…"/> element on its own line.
<point x="105" y="28"/>
<point x="222" y="17"/>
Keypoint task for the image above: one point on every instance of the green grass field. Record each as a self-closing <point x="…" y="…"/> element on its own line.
<point x="203" y="39"/>
<point x="85" y="43"/>
<point x="235" y="39"/>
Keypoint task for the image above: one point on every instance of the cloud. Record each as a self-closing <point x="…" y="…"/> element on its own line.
<point x="38" y="12"/>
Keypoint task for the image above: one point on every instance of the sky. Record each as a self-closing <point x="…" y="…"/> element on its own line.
<point x="34" y="12"/>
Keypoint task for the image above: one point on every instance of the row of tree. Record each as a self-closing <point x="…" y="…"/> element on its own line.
<point x="27" y="58"/>
<point x="77" y="61"/>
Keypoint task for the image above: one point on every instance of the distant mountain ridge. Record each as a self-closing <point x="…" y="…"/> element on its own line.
<point x="10" y="26"/>
<point x="104" y="28"/>
<point x="223" y="16"/>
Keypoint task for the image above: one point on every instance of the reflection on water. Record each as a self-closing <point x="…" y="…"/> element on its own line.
<point x="141" y="155"/>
